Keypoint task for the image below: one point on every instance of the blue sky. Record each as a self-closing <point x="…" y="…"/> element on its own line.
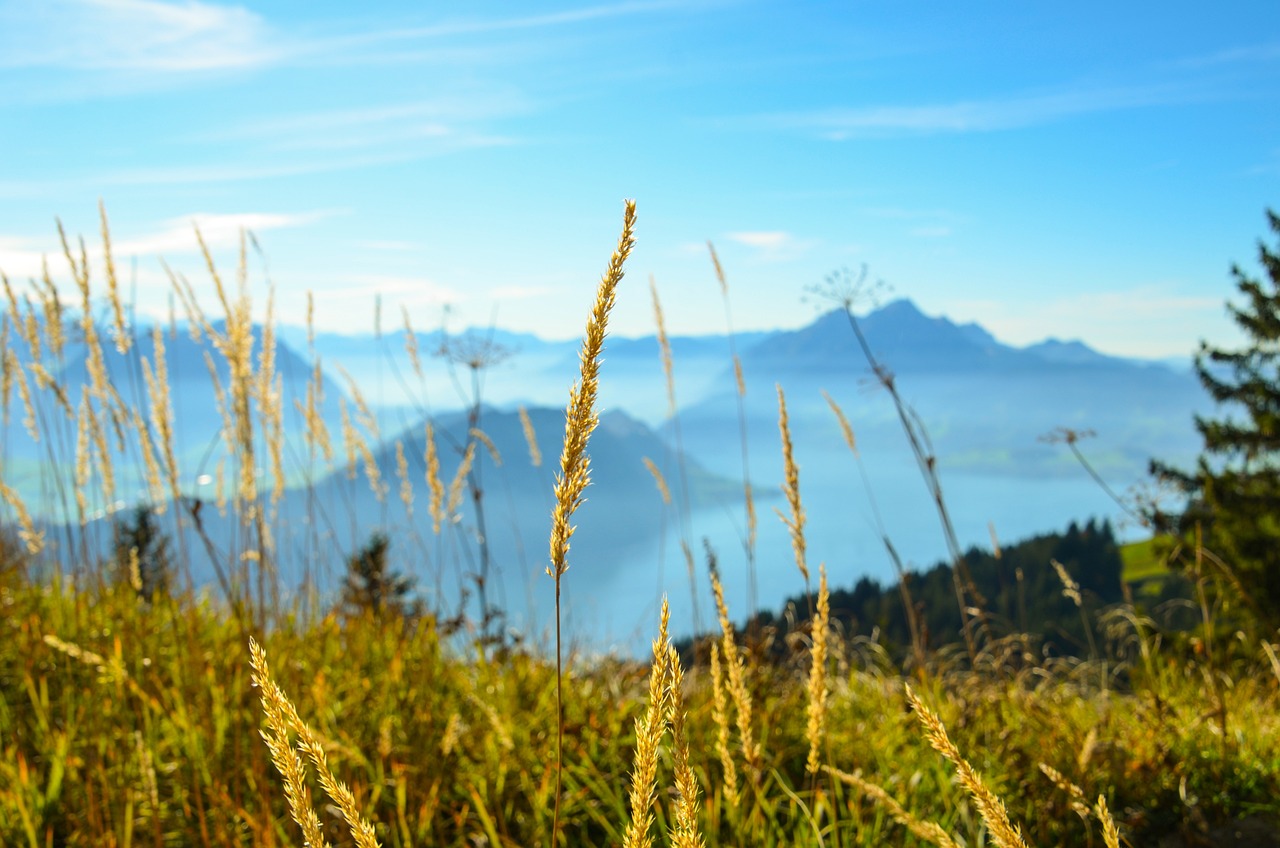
<point x="1085" y="170"/>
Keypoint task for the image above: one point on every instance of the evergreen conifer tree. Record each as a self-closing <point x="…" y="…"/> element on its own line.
<point x="1234" y="489"/>
<point x="371" y="586"/>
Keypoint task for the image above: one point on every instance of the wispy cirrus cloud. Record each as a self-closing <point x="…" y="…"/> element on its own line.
<point x="133" y="35"/>
<point x="446" y="122"/>
<point x="408" y="290"/>
<point x="966" y="116"/>
<point x="198" y="36"/>
<point x="772" y="245"/>
<point x="23" y="258"/>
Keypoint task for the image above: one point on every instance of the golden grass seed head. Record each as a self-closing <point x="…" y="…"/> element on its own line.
<point x="27" y="533"/>
<point x="530" y="437"/>
<point x="580" y="414"/>
<point x="1110" y="833"/>
<point x="734" y="669"/>
<point x="846" y="429"/>
<point x="664" y="346"/>
<point x="8" y="364"/>
<point x="791" y="488"/>
<point x="123" y="338"/>
<point x="402" y="471"/>
<point x="650" y="728"/>
<point x="277" y="708"/>
<point x="685" y="833"/>
<point x="1070" y="588"/>
<point x="435" y="485"/>
<point x="483" y="437"/>
<point x="1003" y="832"/>
<point x="720" y="278"/>
<point x="411" y="344"/>
<point x="928" y="831"/>
<point x="658" y="480"/>
<point x="720" y="715"/>
<point x="816" y="707"/>
<point x="29" y="409"/>
<point x="459" y="481"/>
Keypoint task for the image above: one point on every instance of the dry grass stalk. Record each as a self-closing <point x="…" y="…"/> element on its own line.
<point x="83" y="468"/>
<point x="277" y="708"/>
<point x="349" y="438"/>
<point x="459" y="480"/>
<point x="236" y="347"/>
<point x="664" y="345"/>
<point x="46" y="382"/>
<point x="435" y="503"/>
<point x="530" y="437"/>
<point x="649" y="730"/>
<point x="734" y="669"/>
<point x="316" y="432"/>
<point x="14" y="311"/>
<point x="52" y="310"/>
<point x="483" y="437"/>
<point x="367" y="419"/>
<point x="270" y="399"/>
<point x="928" y="831"/>
<point x="135" y="569"/>
<point x="155" y="485"/>
<point x="658" y="479"/>
<point x="791" y="488"/>
<point x="845" y="427"/>
<point x="273" y="423"/>
<point x="311" y="321"/>
<point x="162" y="408"/>
<point x="32" y="538"/>
<point x="1070" y="588"/>
<point x="220" y="485"/>
<point x="1270" y="650"/>
<point x="720" y="714"/>
<point x="580" y="420"/>
<point x="122" y="336"/>
<point x="77" y="653"/>
<point x="411" y="343"/>
<point x="33" y="330"/>
<point x="816" y="708"/>
<point x="1074" y="793"/>
<point x="29" y="409"/>
<point x="8" y="364"/>
<point x="1004" y="833"/>
<point x="685" y="834"/>
<point x="1110" y="833"/>
<point x="581" y="417"/>
<point x="402" y="471"/>
<point x="105" y="468"/>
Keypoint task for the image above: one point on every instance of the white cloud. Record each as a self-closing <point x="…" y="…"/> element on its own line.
<point x="772" y="245"/>
<point x="133" y="35"/>
<point x="22" y="258"/>
<point x="218" y="231"/>
<point x="409" y="291"/>
<point x="447" y="122"/>
<point x="967" y="116"/>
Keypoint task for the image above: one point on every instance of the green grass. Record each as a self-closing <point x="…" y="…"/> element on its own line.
<point x="1142" y="561"/>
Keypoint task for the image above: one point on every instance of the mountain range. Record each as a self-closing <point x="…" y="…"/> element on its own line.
<point x="985" y="406"/>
